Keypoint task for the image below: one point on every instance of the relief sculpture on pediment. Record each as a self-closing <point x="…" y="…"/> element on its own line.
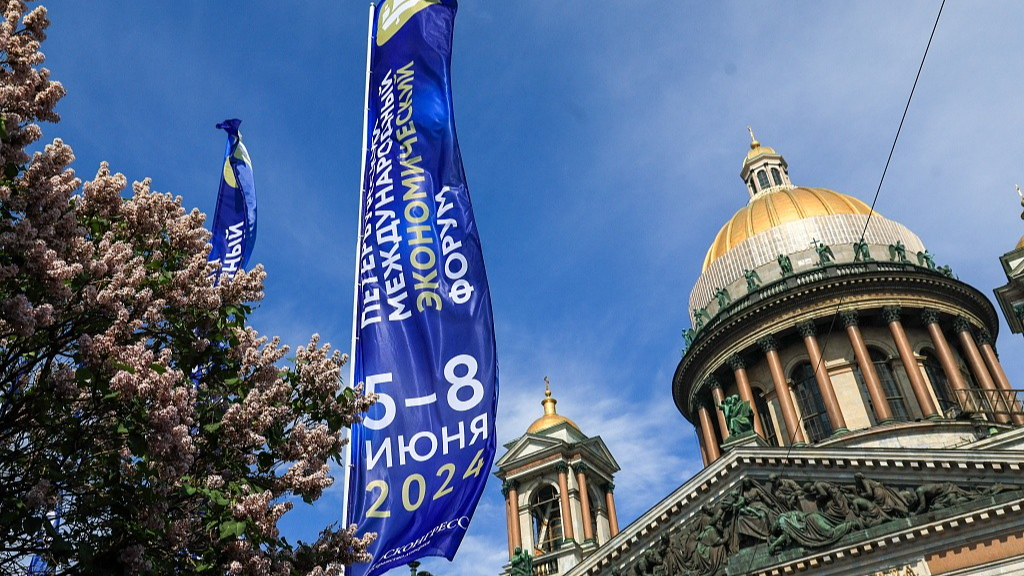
<point x="783" y="514"/>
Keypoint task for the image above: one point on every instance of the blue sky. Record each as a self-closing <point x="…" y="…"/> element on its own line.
<point x="602" y="143"/>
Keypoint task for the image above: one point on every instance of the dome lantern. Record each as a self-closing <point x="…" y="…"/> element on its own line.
<point x="764" y="170"/>
<point x="551" y="417"/>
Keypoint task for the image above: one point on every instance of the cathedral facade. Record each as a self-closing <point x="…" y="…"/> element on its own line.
<point x="853" y="415"/>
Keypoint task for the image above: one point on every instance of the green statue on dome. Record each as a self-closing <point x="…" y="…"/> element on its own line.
<point x="825" y="255"/>
<point x="786" y="265"/>
<point x="861" y="252"/>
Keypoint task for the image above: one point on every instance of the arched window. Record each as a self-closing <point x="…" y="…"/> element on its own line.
<point x="891" y="388"/>
<point x="762" y="180"/>
<point x="753" y="187"/>
<point x="817" y="426"/>
<point x="776" y="177"/>
<point x="940" y="384"/>
<point x="596" y="509"/>
<point x="770" y="436"/>
<point x="546" y="515"/>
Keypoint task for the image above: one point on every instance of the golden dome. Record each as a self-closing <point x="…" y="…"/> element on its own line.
<point x="770" y="209"/>
<point x="756" y="149"/>
<point x="550" y="418"/>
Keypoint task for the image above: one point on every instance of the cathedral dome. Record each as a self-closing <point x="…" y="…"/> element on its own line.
<point x="772" y="209"/>
<point x="551" y="417"/>
<point x="782" y="220"/>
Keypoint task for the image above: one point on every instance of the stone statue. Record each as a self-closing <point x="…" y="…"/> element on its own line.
<point x="833" y="519"/>
<point x="1018" y="311"/>
<point x="861" y="252"/>
<point x="700" y="316"/>
<point x="723" y="298"/>
<point x="926" y="259"/>
<point x="758" y="511"/>
<point x="787" y="492"/>
<point x="889" y="500"/>
<point x="825" y="255"/>
<point x="688" y="336"/>
<point x="650" y="563"/>
<point x="898" y="252"/>
<point x="946" y="271"/>
<point x="753" y="280"/>
<point x="786" y="265"/>
<point x="939" y="495"/>
<point x="521" y="563"/>
<point x="737" y="415"/>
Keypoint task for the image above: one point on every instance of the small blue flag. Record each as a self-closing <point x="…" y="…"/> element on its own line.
<point x="234" y="222"/>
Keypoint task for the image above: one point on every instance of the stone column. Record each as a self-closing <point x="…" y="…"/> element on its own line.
<point x="609" y="501"/>
<point x="963" y="329"/>
<point x="508" y="520"/>
<point x="700" y="444"/>
<point x="891" y="314"/>
<point x="1008" y="399"/>
<point x="739" y="370"/>
<point x="867" y="368"/>
<point x="717" y="396"/>
<point x="563" y="495"/>
<point x="708" y="433"/>
<point x="513" y="499"/>
<point x="828" y="393"/>
<point x="771" y="352"/>
<point x="946" y="359"/>
<point x="580" y="468"/>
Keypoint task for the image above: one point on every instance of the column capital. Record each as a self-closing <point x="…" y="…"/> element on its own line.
<point x="850" y="318"/>
<point x="984" y="337"/>
<point x="806" y="329"/>
<point x="561" y="467"/>
<point x="508" y="486"/>
<point x="891" y="314"/>
<point x="736" y="362"/>
<point x="930" y="316"/>
<point x="580" y="467"/>
<point x="961" y="324"/>
<point x="712" y="382"/>
<point x="609" y="487"/>
<point x="768" y="343"/>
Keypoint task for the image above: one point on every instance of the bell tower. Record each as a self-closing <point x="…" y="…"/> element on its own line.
<point x="559" y="494"/>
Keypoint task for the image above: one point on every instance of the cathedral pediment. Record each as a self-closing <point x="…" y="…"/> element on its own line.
<point x="767" y="512"/>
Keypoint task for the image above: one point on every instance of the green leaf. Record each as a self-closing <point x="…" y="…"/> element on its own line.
<point x="212" y="427"/>
<point x="231" y="528"/>
<point x="123" y="367"/>
<point x="112" y="395"/>
<point x="158" y="368"/>
<point x="122" y="429"/>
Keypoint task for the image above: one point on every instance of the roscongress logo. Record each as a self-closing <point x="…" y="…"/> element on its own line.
<point x="394" y="14"/>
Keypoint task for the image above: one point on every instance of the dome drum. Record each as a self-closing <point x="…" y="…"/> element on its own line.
<point x="761" y="251"/>
<point x="868" y="296"/>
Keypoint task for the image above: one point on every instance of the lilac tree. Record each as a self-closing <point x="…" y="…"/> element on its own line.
<point x="134" y="400"/>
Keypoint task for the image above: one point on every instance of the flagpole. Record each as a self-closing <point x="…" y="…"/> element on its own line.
<point x="359" y="244"/>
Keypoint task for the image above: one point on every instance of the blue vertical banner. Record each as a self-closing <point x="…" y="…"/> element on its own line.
<point x="423" y="323"/>
<point x="234" y="221"/>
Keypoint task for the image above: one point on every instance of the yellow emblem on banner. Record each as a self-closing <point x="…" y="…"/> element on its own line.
<point x="393" y="14"/>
